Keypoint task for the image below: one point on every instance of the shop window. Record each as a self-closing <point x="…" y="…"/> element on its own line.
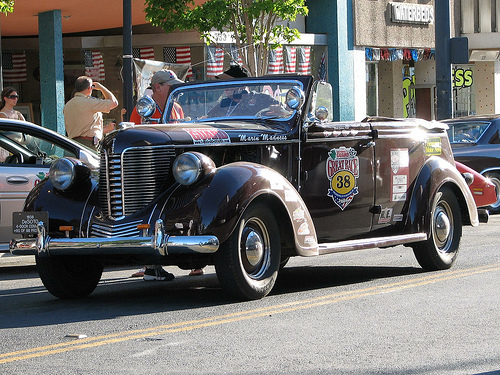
<point x="464" y="100"/>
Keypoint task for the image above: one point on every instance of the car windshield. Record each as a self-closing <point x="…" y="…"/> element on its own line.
<point x="466" y="132"/>
<point x="235" y="100"/>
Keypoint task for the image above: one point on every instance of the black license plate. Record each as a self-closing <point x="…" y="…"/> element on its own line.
<point x="27" y="222"/>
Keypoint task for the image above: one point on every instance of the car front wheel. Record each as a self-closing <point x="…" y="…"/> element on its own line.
<point x="68" y="277"/>
<point x="440" y="250"/>
<point x="247" y="262"/>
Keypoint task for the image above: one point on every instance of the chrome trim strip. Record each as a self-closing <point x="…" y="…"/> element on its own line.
<point x="337" y="247"/>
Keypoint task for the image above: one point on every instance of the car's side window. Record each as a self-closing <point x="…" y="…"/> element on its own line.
<point x="26" y="149"/>
<point x="3" y="154"/>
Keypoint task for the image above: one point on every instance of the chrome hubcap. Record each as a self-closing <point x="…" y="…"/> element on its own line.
<point x="442" y="227"/>
<point x="255" y="248"/>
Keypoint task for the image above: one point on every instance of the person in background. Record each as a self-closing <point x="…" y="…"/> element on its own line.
<point x="83" y="112"/>
<point x="7" y="104"/>
<point x="161" y="82"/>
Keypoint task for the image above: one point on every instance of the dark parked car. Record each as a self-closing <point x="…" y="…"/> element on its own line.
<point x="255" y="174"/>
<point x="475" y="141"/>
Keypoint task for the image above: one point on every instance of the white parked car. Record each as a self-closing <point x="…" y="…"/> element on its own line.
<point x="26" y="152"/>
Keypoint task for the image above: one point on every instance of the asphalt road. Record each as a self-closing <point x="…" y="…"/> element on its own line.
<point x="368" y="312"/>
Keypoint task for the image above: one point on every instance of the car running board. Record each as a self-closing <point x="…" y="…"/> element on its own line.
<point x="368" y="243"/>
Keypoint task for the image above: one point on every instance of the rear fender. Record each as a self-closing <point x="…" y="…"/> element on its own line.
<point x="435" y="174"/>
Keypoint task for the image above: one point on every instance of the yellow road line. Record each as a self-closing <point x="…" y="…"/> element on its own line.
<point x="239" y="316"/>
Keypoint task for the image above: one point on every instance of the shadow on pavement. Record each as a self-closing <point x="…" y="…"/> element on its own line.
<point x="124" y="296"/>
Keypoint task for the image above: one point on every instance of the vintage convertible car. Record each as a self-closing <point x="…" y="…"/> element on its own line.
<point x="254" y="174"/>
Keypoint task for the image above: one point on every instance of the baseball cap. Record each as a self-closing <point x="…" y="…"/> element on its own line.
<point x="235" y="71"/>
<point x="165" y="76"/>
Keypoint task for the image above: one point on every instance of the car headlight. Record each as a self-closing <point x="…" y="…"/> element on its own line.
<point x="191" y="167"/>
<point x="146" y="106"/>
<point x="65" y="172"/>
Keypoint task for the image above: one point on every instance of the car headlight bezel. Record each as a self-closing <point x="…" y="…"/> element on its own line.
<point x="191" y="167"/>
<point x="64" y="173"/>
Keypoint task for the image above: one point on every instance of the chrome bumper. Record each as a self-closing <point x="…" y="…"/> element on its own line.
<point x="159" y="244"/>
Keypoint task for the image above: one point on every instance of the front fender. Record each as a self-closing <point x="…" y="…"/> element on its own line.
<point x="234" y="186"/>
<point x="437" y="173"/>
<point x="65" y="208"/>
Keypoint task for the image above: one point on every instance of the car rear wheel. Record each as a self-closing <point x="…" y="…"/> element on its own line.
<point x="68" y="277"/>
<point x="495" y="180"/>
<point x="440" y="250"/>
<point x="247" y="262"/>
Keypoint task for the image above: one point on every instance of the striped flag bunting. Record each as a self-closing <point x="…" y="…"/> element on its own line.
<point x="144" y="53"/>
<point x="235" y="56"/>
<point x="183" y="56"/>
<point x="304" y="58"/>
<point x="14" y="67"/>
<point x="290" y="59"/>
<point x="275" y="65"/>
<point x="94" y="65"/>
<point x="393" y="54"/>
<point x="215" y="61"/>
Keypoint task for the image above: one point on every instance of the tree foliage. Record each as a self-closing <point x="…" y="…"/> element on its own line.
<point x="254" y="23"/>
<point x="6" y="6"/>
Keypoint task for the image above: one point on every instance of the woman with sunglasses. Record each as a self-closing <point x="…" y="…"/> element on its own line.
<point x="7" y="104"/>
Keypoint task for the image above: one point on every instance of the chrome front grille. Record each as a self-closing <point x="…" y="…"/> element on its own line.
<point x="131" y="180"/>
<point x="115" y="230"/>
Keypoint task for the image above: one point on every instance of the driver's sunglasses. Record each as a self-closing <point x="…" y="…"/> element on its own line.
<point x="13" y="96"/>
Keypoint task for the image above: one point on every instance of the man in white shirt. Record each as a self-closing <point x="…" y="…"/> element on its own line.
<point x="83" y="113"/>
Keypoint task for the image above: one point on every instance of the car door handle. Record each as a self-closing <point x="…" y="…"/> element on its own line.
<point x="17" y="180"/>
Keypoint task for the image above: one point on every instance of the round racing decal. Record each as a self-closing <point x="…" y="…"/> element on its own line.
<point x="342" y="170"/>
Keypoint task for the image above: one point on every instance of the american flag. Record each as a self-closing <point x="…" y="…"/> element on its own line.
<point x="144" y="53"/>
<point x="304" y="60"/>
<point x="215" y="63"/>
<point x="290" y="59"/>
<point x="183" y="55"/>
<point x="94" y="65"/>
<point x="178" y="55"/>
<point x="170" y="55"/>
<point x="275" y="61"/>
<point x="14" y="67"/>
